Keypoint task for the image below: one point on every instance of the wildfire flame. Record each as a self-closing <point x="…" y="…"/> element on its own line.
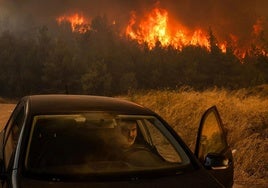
<point x="152" y="29"/>
<point x="258" y="27"/>
<point x="155" y="28"/>
<point x="78" y="22"/>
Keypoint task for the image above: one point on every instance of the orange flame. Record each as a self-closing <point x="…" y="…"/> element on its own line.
<point x="258" y="27"/>
<point x="150" y="30"/>
<point x="154" y="27"/>
<point x="223" y="48"/>
<point x="78" y="22"/>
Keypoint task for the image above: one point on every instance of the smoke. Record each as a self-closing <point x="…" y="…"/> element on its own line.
<point x="20" y="16"/>
<point x="226" y="18"/>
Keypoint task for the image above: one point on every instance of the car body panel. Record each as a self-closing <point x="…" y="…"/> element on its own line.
<point x="190" y="179"/>
<point x="41" y="104"/>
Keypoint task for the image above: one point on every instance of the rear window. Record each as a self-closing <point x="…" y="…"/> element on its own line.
<point x="100" y="143"/>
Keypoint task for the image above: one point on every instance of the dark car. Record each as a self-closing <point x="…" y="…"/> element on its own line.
<point x="93" y="141"/>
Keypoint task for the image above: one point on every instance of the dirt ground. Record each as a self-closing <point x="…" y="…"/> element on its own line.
<point x="5" y="111"/>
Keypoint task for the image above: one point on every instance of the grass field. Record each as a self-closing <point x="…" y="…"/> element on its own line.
<point x="244" y="114"/>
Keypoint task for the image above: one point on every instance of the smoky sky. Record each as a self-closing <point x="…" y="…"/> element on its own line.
<point x="224" y="17"/>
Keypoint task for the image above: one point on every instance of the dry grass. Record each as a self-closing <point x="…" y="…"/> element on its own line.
<point x="5" y="111"/>
<point x="244" y="114"/>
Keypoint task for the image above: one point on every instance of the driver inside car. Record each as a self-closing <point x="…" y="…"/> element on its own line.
<point x="129" y="133"/>
<point x="134" y="152"/>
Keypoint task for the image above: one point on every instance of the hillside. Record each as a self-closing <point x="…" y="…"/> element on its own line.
<point x="243" y="112"/>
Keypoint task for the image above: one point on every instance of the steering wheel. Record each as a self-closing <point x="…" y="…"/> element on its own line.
<point x="139" y="155"/>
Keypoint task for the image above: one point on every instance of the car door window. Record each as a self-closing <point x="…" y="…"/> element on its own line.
<point x="212" y="140"/>
<point x="161" y="143"/>
<point x="14" y="128"/>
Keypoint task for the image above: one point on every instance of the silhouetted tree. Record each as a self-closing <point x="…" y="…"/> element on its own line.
<point x="103" y="61"/>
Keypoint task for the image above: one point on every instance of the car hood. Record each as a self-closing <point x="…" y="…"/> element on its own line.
<point x="197" y="178"/>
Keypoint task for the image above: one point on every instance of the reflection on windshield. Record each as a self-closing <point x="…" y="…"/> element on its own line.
<point x="100" y="142"/>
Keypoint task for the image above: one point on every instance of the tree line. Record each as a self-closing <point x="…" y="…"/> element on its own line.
<point x="103" y="61"/>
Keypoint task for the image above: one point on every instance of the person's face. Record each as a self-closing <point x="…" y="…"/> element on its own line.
<point x="129" y="131"/>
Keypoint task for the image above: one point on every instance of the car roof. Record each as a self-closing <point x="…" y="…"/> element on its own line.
<point x="60" y="103"/>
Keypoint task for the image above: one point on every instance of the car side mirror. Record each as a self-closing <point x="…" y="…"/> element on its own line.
<point x="216" y="161"/>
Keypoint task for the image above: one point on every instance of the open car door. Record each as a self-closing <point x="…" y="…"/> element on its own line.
<point x="212" y="148"/>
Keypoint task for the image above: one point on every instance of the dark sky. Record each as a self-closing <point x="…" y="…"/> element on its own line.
<point x="223" y="16"/>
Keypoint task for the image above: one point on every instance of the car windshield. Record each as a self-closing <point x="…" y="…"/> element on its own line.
<point x="99" y="143"/>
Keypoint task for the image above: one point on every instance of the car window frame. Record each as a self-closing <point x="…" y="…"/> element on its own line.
<point x="18" y="116"/>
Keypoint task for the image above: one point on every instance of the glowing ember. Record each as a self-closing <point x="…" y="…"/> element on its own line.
<point x="223" y="48"/>
<point x="78" y="22"/>
<point x="258" y="27"/>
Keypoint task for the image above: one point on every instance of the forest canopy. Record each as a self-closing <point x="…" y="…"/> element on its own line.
<point x="103" y="61"/>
